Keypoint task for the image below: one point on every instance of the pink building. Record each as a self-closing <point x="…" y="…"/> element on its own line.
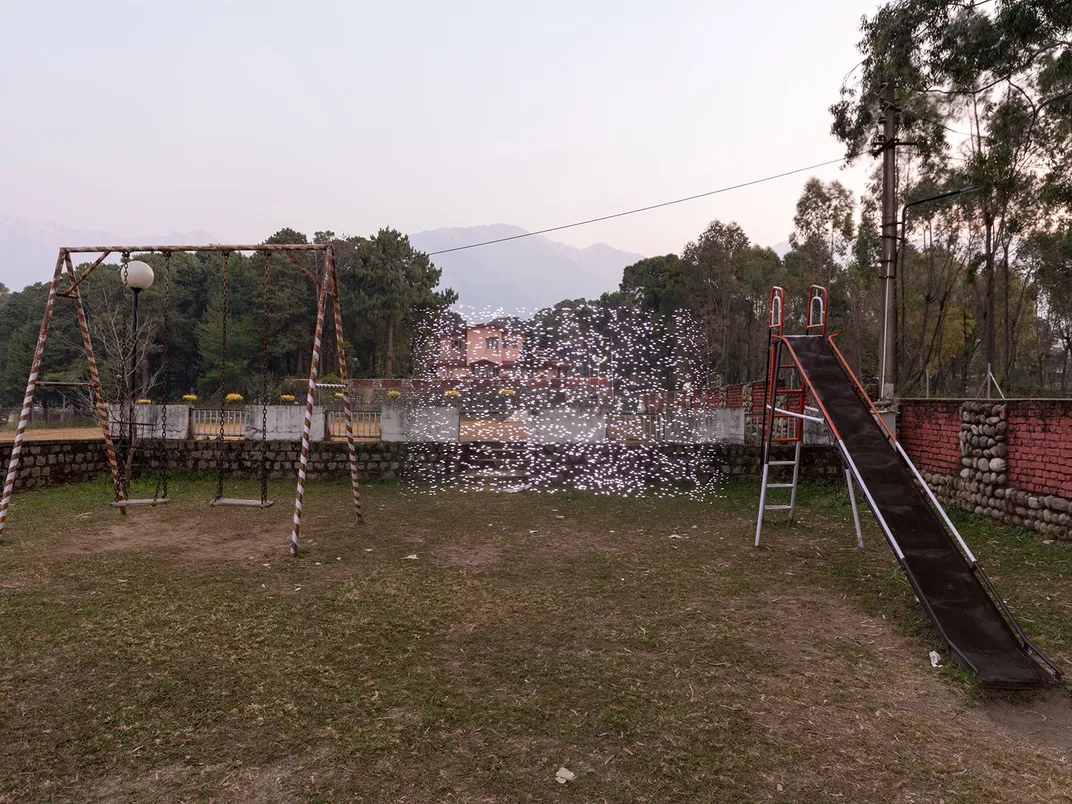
<point x="482" y="350"/>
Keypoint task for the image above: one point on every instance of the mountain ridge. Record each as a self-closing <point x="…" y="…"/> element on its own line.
<point x="522" y="274"/>
<point x="28" y="248"/>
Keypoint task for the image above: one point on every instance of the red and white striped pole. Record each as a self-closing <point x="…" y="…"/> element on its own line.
<point x="314" y="368"/>
<point x="27" y="400"/>
<point x="94" y="378"/>
<point x="337" y="307"/>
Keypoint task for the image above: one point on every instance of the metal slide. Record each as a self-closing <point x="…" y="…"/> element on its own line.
<point x="950" y="584"/>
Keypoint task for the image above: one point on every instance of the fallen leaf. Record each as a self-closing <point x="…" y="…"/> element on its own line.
<point x="564" y="775"/>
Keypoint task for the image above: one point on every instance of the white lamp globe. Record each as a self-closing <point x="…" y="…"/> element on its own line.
<point x="137" y="275"/>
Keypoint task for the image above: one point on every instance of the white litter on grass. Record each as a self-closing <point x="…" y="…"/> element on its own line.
<point x="936" y="660"/>
<point x="675" y="536"/>
<point x="367" y="550"/>
<point x="563" y="775"/>
<point x="412" y="557"/>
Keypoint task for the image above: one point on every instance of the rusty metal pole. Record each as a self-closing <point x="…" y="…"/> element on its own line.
<point x="31" y="386"/>
<point x="347" y="413"/>
<point x="98" y="393"/>
<point x="310" y="394"/>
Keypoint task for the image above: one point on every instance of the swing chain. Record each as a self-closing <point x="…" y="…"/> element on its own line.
<point x="162" y="478"/>
<point x="223" y="383"/>
<point x="264" y="387"/>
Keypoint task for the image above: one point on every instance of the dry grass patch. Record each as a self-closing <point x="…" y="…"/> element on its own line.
<point x="181" y="655"/>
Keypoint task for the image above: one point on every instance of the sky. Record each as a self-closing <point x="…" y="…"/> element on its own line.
<point x="239" y="118"/>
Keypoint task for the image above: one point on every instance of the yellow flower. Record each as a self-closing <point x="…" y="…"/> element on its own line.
<point x="452" y="393"/>
<point x="338" y="395"/>
<point x="390" y="394"/>
<point x="145" y="401"/>
<point x="507" y="392"/>
<point x="234" y="398"/>
<point x="286" y="397"/>
<point x="189" y="397"/>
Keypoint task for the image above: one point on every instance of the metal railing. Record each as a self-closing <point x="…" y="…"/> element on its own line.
<point x="366" y="424"/>
<point x="205" y="423"/>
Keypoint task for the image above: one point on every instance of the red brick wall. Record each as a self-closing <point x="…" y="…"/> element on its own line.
<point x="1040" y="446"/>
<point x="930" y="433"/>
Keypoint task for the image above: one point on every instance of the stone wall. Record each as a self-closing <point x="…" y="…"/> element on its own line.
<point x="54" y="463"/>
<point x="1010" y="460"/>
<point x="327" y="459"/>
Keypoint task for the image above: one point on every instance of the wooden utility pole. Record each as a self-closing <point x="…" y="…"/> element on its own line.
<point x="888" y="336"/>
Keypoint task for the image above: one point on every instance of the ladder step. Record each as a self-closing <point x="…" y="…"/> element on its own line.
<point x="237" y="503"/>
<point x="777" y="507"/>
<point x="779" y="485"/>
<point x="149" y="501"/>
<point x="781" y="463"/>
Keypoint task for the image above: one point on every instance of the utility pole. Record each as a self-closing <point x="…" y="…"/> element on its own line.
<point x="888" y="336"/>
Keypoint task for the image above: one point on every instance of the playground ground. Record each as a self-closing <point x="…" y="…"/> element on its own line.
<point x="643" y="645"/>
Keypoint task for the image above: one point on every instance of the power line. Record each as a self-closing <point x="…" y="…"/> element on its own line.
<point x="638" y="209"/>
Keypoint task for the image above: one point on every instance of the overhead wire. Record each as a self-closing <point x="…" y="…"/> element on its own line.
<point x="639" y="209"/>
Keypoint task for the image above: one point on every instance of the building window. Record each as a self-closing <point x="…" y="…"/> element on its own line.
<point x="456" y="345"/>
<point x="492" y="344"/>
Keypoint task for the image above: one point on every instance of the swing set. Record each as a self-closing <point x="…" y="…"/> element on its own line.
<point x="118" y="447"/>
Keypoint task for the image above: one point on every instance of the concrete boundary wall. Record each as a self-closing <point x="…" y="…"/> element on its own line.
<point x="418" y="425"/>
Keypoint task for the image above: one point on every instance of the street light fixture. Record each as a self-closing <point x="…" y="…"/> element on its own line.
<point x="136" y="276"/>
<point x="887" y="368"/>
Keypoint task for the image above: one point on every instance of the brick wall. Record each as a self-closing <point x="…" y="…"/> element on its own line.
<point x="1010" y="460"/>
<point x="1040" y="446"/>
<point x="930" y="433"/>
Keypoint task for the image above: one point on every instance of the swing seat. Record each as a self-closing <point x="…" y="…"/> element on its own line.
<point x="147" y="501"/>
<point x="240" y="503"/>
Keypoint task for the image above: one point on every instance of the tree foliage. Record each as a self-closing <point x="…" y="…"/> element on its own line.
<point x="386" y="287"/>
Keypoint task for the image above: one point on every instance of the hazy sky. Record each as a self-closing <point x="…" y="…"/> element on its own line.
<point x="242" y="117"/>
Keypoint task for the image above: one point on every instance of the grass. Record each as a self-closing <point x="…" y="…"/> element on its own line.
<point x="181" y="655"/>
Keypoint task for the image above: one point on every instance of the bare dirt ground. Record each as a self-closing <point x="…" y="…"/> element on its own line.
<point x="54" y="434"/>
<point x="464" y="647"/>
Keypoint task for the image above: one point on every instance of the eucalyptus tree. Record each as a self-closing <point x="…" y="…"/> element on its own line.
<point x="983" y="97"/>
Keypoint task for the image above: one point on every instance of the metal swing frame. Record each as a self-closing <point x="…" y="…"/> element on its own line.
<point x="793" y="411"/>
<point x="327" y="285"/>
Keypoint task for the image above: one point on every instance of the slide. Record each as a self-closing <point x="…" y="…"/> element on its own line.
<point x="950" y="589"/>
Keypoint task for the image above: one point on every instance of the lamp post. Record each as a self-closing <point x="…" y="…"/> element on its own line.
<point x="888" y="339"/>
<point x="136" y="277"/>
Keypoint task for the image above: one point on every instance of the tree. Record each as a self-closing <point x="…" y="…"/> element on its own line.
<point x="655" y="284"/>
<point x="388" y="279"/>
<point x="824" y="225"/>
<point x="1000" y="78"/>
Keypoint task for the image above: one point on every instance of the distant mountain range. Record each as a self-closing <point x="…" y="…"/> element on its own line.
<point x="28" y="248"/>
<point x="520" y="275"/>
<point x="516" y="276"/>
